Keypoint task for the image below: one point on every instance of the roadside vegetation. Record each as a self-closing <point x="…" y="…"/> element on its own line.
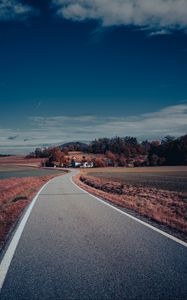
<point x="167" y="208"/>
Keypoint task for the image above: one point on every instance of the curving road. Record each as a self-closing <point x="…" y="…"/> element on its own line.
<point x="74" y="246"/>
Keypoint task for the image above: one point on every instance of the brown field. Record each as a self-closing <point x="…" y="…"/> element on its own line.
<point x="19" y="160"/>
<point x="20" y="172"/>
<point x="158" y="194"/>
<point x="167" y="178"/>
<point x="139" y="169"/>
<point x="18" y="166"/>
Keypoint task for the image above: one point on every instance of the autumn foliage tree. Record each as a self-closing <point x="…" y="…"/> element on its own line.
<point x="55" y="155"/>
<point x="99" y="162"/>
<point x="117" y="145"/>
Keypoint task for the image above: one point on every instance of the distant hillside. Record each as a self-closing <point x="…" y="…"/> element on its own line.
<point x="75" y="146"/>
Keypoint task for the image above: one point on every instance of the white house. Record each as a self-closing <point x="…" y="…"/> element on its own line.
<point x="87" y="165"/>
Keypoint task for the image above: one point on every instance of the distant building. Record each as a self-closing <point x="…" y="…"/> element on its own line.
<point x="87" y="165"/>
<point x="75" y="164"/>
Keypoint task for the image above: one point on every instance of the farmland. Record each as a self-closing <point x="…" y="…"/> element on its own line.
<point x="20" y="172"/>
<point x="19" y="160"/>
<point x="166" y="178"/>
<point x="18" y="166"/>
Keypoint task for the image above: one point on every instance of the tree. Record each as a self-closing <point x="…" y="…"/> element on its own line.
<point x="121" y="161"/>
<point x="56" y="155"/>
<point x="99" y="162"/>
<point x="154" y="159"/>
<point x="38" y="152"/>
<point x="168" y="139"/>
<point x="111" y="156"/>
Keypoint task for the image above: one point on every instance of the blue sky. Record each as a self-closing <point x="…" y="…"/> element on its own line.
<point x="78" y="70"/>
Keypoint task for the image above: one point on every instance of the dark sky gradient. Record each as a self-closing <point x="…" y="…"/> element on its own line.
<point x="51" y="67"/>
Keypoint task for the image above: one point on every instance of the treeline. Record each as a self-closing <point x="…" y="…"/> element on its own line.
<point x="128" y="146"/>
<point x="170" y="152"/>
<point x="121" y="151"/>
<point x="51" y="155"/>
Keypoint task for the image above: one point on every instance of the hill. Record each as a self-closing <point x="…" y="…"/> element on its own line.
<point x="75" y="146"/>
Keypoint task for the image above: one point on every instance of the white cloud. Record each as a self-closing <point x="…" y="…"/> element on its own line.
<point x="160" y="32"/>
<point x="171" y="120"/>
<point x="157" y="14"/>
<point x="13" y="9"/>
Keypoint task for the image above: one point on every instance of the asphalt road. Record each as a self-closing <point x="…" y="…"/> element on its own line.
<point x="76" y="247"/>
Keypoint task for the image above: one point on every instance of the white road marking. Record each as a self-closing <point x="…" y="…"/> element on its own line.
<point x="134" y="218"/>
<point x="7" y="258"/>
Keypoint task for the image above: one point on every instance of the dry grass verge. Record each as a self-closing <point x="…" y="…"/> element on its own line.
<point x="165" y="207"/>
<point x="15" y="195"/>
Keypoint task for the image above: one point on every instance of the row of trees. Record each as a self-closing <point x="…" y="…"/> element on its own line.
<point x="122" y="151"/>
<point x="50" y="155"/>
<point x="170" y="152"/>
<point x="128" y="146"/>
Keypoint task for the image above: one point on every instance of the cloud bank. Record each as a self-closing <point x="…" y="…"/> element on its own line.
<point x="44" y="131"/>
<point x="160" y="16"/>
<point x="12" y="9"/>
<point x="153" y="14"/>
